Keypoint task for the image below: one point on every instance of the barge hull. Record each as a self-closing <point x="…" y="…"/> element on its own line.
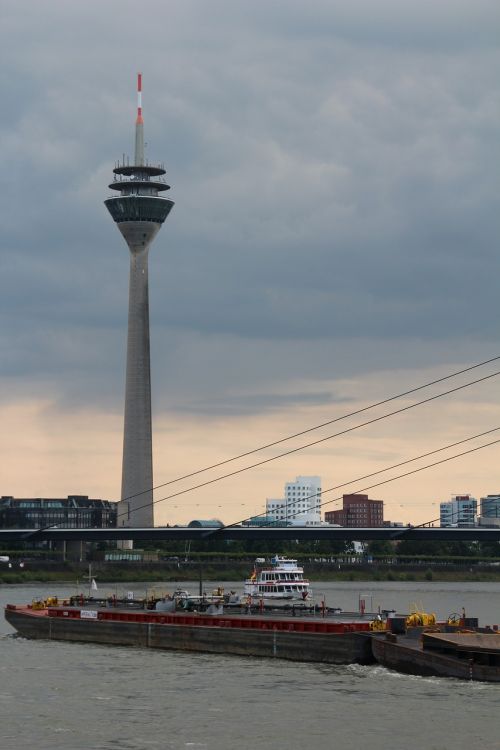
<point x="413" y="660"/>
<point x="330" y="648"/>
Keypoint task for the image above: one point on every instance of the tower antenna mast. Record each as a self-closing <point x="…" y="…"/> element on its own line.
<point x="139" y="125"/>
<point x="139" y="211"/>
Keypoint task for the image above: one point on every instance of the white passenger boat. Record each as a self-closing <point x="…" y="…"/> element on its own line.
<point x="281" y="579"/>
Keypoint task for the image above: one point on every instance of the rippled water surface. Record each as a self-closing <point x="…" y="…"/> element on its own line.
<point x="65" y="695"/>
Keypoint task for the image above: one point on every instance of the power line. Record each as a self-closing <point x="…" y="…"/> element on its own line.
<point x="382" y="471"/>
<point x="392" y="479"/>
<point x="421" y="468"/>
<point x="315" y="442"/>
<point x="312" y="429"/>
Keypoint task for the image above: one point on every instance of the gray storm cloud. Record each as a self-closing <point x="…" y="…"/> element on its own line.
<point x="333" y="168"/>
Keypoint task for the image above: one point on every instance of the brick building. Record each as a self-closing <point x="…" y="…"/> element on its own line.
<point x="358" y="511"/>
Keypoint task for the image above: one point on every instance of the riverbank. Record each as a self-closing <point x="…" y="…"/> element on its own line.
<point x="113" y="573"/>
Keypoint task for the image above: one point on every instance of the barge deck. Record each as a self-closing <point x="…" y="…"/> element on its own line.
<point x="313" y="639"/>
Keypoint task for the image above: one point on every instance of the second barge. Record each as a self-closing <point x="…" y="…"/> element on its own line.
<point x="465" y="655"/>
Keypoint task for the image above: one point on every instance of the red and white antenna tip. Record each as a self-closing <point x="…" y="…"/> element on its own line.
<point x="139" y="98"/>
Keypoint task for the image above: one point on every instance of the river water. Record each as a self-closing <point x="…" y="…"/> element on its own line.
<point x="71" y="696"/>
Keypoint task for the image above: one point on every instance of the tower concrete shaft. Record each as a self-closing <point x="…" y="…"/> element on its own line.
<point x="139" y="213"/>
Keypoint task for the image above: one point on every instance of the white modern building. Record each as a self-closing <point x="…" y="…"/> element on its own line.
<point x="301" y="505"/>
<point x="460" y="511"/>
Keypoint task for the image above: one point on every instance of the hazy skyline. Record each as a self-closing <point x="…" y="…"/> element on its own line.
<point x="334" y="168"/>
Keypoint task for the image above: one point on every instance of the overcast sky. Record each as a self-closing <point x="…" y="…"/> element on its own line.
<point x="334" y="240"/>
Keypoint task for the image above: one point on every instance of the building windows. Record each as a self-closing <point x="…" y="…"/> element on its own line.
<point x="302" y="500"/>
<point x="460" y="511"/>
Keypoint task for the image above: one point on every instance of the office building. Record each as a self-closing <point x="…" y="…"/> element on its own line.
<point x="460" y="511"/>
<point x="72" y="512"/>
<point x="358" y="511"/>
<point x="301" y="504"/>
<point x="490" y="506"/>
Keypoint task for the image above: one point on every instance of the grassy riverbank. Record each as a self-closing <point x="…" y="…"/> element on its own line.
<point x="70" y="573"/>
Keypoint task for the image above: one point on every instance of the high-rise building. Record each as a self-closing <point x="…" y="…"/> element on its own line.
<point x="460" y="511"/>
<point x="139" y="211"/>
<point x="300" y="506"/>
<point x="358" y="511"/>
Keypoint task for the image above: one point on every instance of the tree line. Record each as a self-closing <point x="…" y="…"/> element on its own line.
<point x="405" y="547"/>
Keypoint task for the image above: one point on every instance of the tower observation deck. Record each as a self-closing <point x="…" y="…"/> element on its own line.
<point x="139" y="211"/>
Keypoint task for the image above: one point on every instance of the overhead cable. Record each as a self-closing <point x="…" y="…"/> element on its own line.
<point x="380" y="471"/>
<point x="316" y="427"/>
<point x="313" y="443"/>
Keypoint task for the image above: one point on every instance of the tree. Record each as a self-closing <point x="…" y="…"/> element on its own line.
<point x="380" y="548"/>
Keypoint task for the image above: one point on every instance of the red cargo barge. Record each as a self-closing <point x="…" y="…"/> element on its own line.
<point x="299" y="638"/>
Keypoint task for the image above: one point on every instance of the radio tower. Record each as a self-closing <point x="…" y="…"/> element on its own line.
<point x="139" y="213"/>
